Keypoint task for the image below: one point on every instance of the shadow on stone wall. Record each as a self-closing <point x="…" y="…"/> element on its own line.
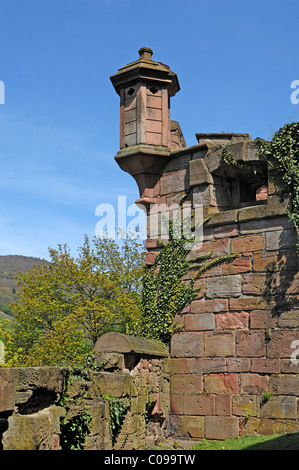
<point x="282" y="279"/>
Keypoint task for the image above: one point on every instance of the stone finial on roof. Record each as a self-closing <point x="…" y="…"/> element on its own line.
<point x="145" y="53"/>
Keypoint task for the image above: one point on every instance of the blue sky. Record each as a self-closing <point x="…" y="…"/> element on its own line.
<point x="59" y="126"/>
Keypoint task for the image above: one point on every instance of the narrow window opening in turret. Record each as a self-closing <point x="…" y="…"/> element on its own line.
<point x="240" y="187"/>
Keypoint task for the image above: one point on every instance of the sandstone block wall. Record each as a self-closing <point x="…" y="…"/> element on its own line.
<point x="40" y="405"/>
<point x="231" y="367"/>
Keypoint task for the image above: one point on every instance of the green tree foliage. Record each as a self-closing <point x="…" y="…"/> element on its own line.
<point x="62" y="308"/>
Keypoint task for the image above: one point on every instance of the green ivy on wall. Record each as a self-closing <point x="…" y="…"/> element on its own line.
<point x="282" y="154"/>
<point x="118" y="409"/>
<point x="165" y="291"/>
<point x="73" y="432"/>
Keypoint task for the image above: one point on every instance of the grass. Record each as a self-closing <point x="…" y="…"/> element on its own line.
<point x="252" y="442"/>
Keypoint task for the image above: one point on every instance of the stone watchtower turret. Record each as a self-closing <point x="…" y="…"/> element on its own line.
<point x="145" y="88"/>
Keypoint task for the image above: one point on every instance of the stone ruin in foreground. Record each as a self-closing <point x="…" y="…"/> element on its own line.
<point x="232" y="368"/>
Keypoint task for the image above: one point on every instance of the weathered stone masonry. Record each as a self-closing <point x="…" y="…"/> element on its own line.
<point x="35" y="402"/>
<point x="236" y="344"/>
<point x="231" y="368"/>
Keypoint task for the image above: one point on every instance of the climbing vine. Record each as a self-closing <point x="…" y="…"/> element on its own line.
<point x="282" y="154"/>
<point x="165" y="292"/>
<point x="74" y="431"/>
<point x="118" y="409"/>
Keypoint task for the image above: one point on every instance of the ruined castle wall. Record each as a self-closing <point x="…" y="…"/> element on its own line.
<point x="233" y="365"/>
<point x="122" y="402"/>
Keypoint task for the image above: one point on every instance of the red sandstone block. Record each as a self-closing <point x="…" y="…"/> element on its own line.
<point x="265" y="366"/>
<point x="264" y="427"/>
<point x="173" y="182"/>
<point x="250" y="303"/>
<point x="179" y="366"/>
<point x="186" y="384"/>
<point x="239" y="265"/>
<point x="8" y="385"/>
<point x="189" y="344"/>
<point x="226" y="231"/>
<point x="264" y="225"/>
<point x="279" y="407"/>
<point x="150" y="258"/>
<point x="254" y="284"/>
<point x="224" y="286"/>
<point x="246" y="243"/>
<point x="218" y="247"/>
<point x="240" y="364"/>
<point x="223" y="405"/>
<point x="250" y="343"/>
<point x="151" y="243"/>
<point x="224" y="427"/>
<point x="232" y="321"/>
<point x="177" y="404"/>
<point x="262" y="319"/>
<point x="218" y="343"/>
<point x="188" y="426"/>
<point x="280" y="344"/>
<point x="254" y="384"/>
<point x="264" y="262"/>
<point x="209" y="306"/>
<point x="204" y="365"/>
<point x="245" y="405"/>
<point x="221" y="383"/>
<point x="199" y="321"/>
<point x="284" y="384"/>
<point x="199" y="405"/>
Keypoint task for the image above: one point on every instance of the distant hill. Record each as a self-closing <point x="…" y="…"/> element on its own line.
<point x="9" y="266"/>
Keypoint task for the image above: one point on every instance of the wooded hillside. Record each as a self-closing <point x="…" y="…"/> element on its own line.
<point x="9" y="265"/>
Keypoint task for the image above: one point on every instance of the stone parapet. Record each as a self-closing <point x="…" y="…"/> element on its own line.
<point x="40" y="406"/>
